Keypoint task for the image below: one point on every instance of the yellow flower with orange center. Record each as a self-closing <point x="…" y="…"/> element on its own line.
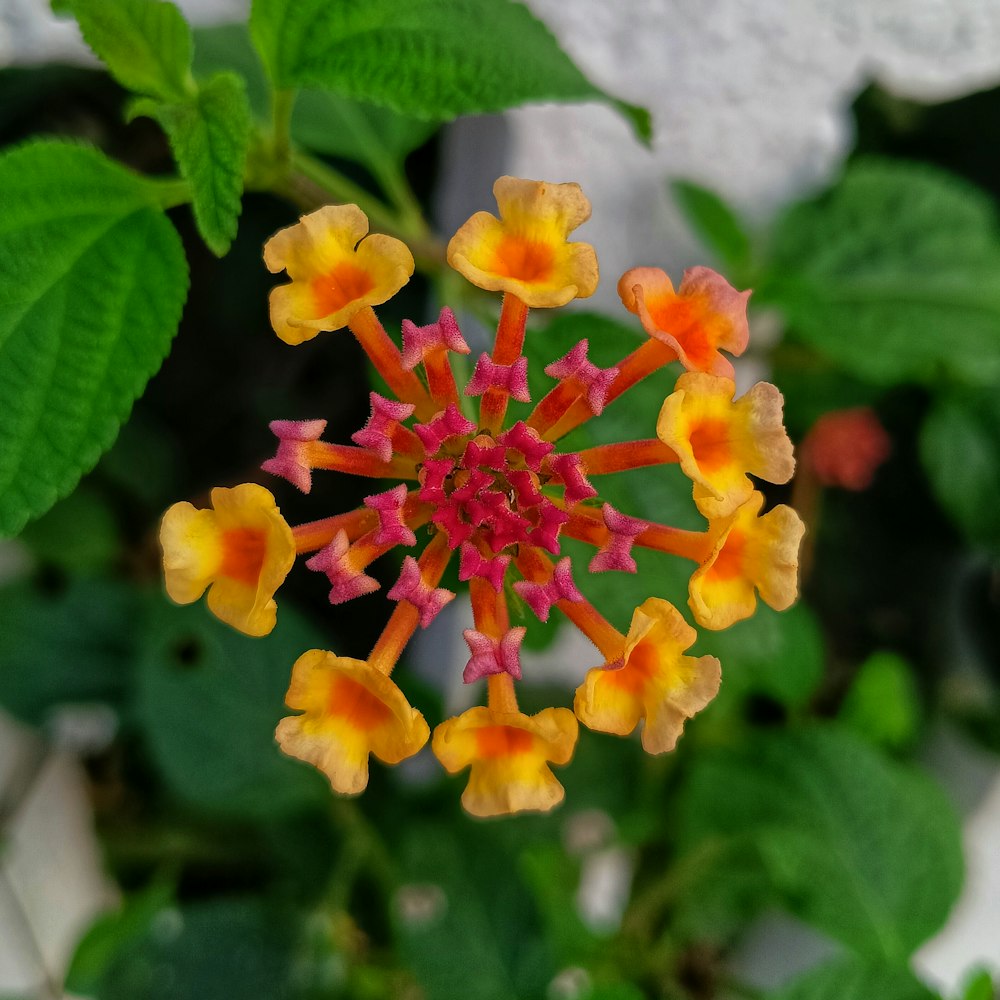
<point x="526" y="251"/>
<point x="719" y="441"/>
<point x="654" y="682"/>
<point x="748" y="553"/>
<point x="241" y="548"/>
<point x="336" y="270"/>
<point x="350" y="710"/>
<point x="701" y="318"/>
<point x="509" y="755"/>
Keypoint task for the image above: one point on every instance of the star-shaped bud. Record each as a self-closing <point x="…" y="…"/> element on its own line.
<point x="376" y="435"/>
<point x="546" y="532"/>
<point x="434" y="474"/>
<point x="493" y="656"/>
<point x="411" y="587"/>
<point x="486" y="456"/>
<point x="512" y="379"/>
<point x="520" y="437"/>
<point x="293" y="460"/>
<point x="392" y="529"/>
<point x="615" y="553"/>
<point x="347" y="579"/>
<point x="420" y="341"/>
<point x="541" y="596"/>
<point x="473" y="563"/>
<point x="447" y="424"/>
<point x="569" y="468"/>
<point x="595" y="382"/>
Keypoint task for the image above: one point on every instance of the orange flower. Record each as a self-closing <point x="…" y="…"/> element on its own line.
<point x="718" y="441"/>
<point x="654" y="680"/>
<point x="748" y="553"/>
<point x="509" y="754"/>
<point x="241" y="548"/>
<point x="350" y="710"/>
<point x="705" y="315"/>
<point x="333" y="275"/>
<point x="526" y="251"/>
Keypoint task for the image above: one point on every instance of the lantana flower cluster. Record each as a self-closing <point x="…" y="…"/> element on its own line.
<point x="499" y="496"/>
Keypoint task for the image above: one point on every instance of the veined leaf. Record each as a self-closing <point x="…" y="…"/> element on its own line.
<point x="895" y="275"/>
<point x="209" y="136"/>
<point x="430" y="58"/>
<point x="92" y="282"/>
<point x="854" y="979"/>
<point x="146" y="44"/>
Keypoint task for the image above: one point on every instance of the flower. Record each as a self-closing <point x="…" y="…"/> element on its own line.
<point x="845" y="448"/>
<point x="350" y="710"/>
<point x="241" y="549"/>
<point x="718" y="441"/>
<point x="334" y="276"/>
<point x="526" y="251"/>
<point x="509" y="755"/>
<point x="748" y="553"/>
<point x="705" y="315"/>
<point x="502" y="494"/>
<point x="652" y="681"/>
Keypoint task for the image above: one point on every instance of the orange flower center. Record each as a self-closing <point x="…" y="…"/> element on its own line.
<point x="710" y="444"/>
<point x="335" y="289"/>
<point x="502" y="741"/>
<point x="524" y="259"/>
<point x="354" y="703"/>
<point x="642" y="665"/>
<point x="690" y="321"/>
<point x="243" y="554"/>
<point x="729" y="562"/>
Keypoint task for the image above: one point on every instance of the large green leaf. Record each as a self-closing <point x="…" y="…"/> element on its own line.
<point x="209" y="135"/>
<point x="715" y="223"/>
<point x="146" y="44"/>
<point x="859" y="846"/>
<point x="895" y="275"/>
<point x="851" y="979"/>
<point x="92" y="282"/>
<point x="960" y="450"/>
<point x="208" y="700"/>
<point x="430" y="58"/>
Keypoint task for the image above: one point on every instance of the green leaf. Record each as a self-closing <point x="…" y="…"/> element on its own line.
<point x="857" y="845"/>
<point x="65" y="644"/>
<point x="715" y="223"/>
<point x="209" y="136"/>
<point x="894" y="274"/>
<point x="883" y="704"/>
<point x="960" y="450"/>
<point x="146" y="44"/>
<point x="854" y="979"/>
<point x="79" y="534"/>
<point x="979" y="986"/>
<point x="208" y="700"/>
<point x="434" y="59"/>
<point x="92" y="282"/>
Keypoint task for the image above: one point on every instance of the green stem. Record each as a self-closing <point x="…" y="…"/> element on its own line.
<point x="173" y="192"/>
<point x="282" y="103"/>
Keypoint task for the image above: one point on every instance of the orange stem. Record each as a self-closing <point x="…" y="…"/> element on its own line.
<point x="358" y="461"/>
<point x="388" y="361"/>
<point x="489" y="609"/>
<point x="318" y="534"/>
<point x="501" y="696"/>
<point x="404" y="620"/>
<point x="506" y="350"/>
<point x="626" y="455"/>
<point x="586" y="524"/>
<point x="551" y="407"/>
<point x="440" y="379"/>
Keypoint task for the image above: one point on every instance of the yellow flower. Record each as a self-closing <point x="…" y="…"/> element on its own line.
<point x="748" y="553"/>
<point x="509" y="754"/>
<point x="526" y="251"/>
<point x="718" y="441"/>
<point x="655" y="681"/>
<point x="241" y="547"/>
<point x="705" y="315"/>
<point x="351" y="710"/>
<point x="333" y="275"/>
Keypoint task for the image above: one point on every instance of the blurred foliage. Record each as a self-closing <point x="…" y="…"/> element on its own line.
<point x="796" y="789"/>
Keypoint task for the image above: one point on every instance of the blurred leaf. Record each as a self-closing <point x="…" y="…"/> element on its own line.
<point x="92" y="282"/>
<point x="859" y="846"/>
<point x="979" y="986"/>
<point x="324" y="122"/>
<point x="614" y="991"/>
<point x="463" y="920"/>
<point x="209" y="699"/>
<point x="883" y="704"/>
<point x="213" y="950"/>
<point x="79" y="534"/>
<point x="775" y="654"/>
<point x="894" y="274"/>
<point x="960" y="450"/>
<point x="65" y="644"/>
<point x="854" y="979"/>
<point x="715" y="223"/>
<point x="113" y="933"/>
<point x="146" y="44"/>
<point x="209" y="135"/>
<point x="434" y="59"/>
